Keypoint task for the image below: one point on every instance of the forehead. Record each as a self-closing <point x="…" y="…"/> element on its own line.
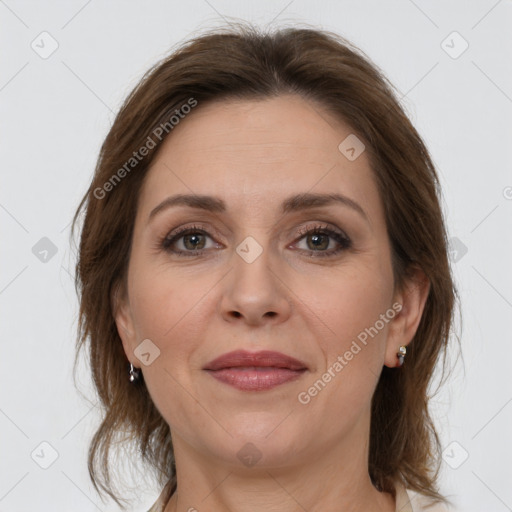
<point x="253" y="151"/>
<point x="280" y="128"/>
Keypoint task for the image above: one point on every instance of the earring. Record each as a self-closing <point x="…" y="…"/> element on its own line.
<point x="134" y="373"/>
<point x="401" y="355"/>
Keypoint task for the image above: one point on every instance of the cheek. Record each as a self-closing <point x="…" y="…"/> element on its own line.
<point x="164" y="300"/>
<point x="169" y="308"/>
<point x="166" y="309"/>
<point x="351" y="318"/>
<point x="348" y="304"/>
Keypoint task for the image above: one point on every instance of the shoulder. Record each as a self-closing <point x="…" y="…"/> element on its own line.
<point x="408" y="500"/>
<point x="422" y="503"/>
<point x="159" y="504"/>
<point x="157" y="507"/>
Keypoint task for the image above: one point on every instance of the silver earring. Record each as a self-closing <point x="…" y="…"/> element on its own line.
<point x="401" y="355"/>
<point x="134" y="373"/>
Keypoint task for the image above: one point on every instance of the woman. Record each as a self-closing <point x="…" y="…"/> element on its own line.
<point x="264" y="282"/>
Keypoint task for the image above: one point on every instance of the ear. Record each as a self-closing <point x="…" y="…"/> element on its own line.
<point x="402" y="328"/>
<point x="124" y="321"/>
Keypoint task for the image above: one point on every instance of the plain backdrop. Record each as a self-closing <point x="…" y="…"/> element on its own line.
<point x="65" y="68"/>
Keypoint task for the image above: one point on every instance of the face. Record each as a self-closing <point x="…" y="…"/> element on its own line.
<point x="256" y="270"/>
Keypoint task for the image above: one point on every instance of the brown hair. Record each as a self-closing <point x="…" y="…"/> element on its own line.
<point x="245" y="63"/>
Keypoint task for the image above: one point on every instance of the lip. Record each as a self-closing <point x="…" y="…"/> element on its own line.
<point x="255" y="371"/>
<point x="266" y="358"/>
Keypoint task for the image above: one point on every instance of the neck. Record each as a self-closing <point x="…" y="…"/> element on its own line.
<point x="336" y="478"/>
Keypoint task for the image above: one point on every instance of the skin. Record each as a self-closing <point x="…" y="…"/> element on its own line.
<point x="253" y="155"/>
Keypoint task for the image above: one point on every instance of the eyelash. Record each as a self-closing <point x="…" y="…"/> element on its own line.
<point x="345" y="243"/>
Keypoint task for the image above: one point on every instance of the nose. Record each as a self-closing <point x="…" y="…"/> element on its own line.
<point x="254" y="293"/>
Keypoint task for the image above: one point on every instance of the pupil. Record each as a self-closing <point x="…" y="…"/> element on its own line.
<point x="317" y="241"/>
<point x="195" y="241"/>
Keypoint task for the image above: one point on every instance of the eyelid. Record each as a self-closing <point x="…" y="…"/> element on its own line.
<point x="181" y="231"/>
<point x="320" y="226"/>
<point x="342" y="239"/>
<point x="344" y="242"/>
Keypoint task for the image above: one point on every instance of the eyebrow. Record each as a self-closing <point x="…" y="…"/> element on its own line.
<point x="291" y="204"/>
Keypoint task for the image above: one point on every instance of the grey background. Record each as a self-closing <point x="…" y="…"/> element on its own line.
<point x="56" y="110"/>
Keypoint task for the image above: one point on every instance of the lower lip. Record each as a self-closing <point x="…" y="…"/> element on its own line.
<point x="255" y="379"/>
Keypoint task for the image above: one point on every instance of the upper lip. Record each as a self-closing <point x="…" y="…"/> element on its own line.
<point x="265" y="358"/>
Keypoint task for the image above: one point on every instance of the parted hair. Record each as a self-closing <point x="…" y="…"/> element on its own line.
<point x="242" y="62"/>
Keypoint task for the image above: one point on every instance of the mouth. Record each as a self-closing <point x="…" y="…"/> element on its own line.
<point x="255" y="371"/>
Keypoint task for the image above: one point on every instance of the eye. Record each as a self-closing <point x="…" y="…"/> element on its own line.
<point x="187" y="241"/>
<point x="319" y="239"/>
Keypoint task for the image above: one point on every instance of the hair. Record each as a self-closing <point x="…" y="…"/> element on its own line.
<point x="244" y="63"/>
